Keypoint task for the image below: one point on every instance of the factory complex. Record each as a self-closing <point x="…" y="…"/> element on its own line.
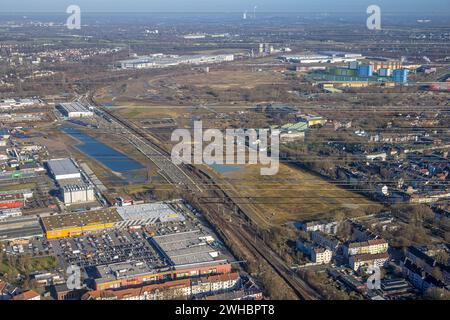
<point x="75" y="110"/>
<point x="322" y="57"/>
<point x="377" y="70"/>
<point x="163" y="61"/>
<point x="73" y="186"/>
<point x="352" y="68"/>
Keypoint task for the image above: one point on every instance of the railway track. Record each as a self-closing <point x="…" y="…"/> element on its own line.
<point x="257" y="246"/>
<point x="245" y="236"/>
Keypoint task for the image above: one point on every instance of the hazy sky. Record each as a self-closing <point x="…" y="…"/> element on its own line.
<point x="440" y="6"/>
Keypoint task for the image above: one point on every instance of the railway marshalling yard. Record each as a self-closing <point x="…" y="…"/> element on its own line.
<point x="290" y="195"/>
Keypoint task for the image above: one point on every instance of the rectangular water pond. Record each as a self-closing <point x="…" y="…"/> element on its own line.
<point x="110" y="158"/>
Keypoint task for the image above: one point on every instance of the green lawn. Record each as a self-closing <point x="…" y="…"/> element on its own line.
<point x="29" y="265"/>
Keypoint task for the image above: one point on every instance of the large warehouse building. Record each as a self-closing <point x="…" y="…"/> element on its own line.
<point x="71" y="185"/>
<point x="15" y="228"/>
<point x="188" y="249"/>
<point x="145" y="214"/>
<point x="76" y="191"/>
<point x="163" y="61"/>
<point x="75" y="110"/>
<point x="75" y="224"/>
<point x="62" y="169"/>
<point x="190" y="254"/>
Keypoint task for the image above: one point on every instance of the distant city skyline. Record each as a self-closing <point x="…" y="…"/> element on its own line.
<point x="225" y="6"/>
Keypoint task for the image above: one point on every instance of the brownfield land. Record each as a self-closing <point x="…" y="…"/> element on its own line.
<point x="236" y="83"/>
<point x="63" y="145"/>
<point x="293" y="194"/>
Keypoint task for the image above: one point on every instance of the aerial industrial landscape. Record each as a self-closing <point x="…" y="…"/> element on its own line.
<point x="135" y="163"/>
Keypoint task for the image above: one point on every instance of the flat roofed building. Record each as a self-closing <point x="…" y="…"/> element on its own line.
<point x="169" y="290"/>
<point x="76" y="191"/>
<point x="75" y="110"/>
<point x="138" y="273"/>
<point x="10" y="213"/>
<point x="368" y="260"/>
<point x="129" y="273"/>
<point x="342" y="54"/>
<point x="123" y="270"/>
<point x="188" y="249"/>
<point x="325" y="57"/>
<point x="307" y="58"/>
<point x="28" y="295"/>
<point x="369" y="246"/>
<point x="62" y="169"/>
<point x="15" y="228"/>
<point x="146" y="214"/>
<point x="73" y="224"/>
<point x="158" y="291"/>
<point x="384" y="63"/>
<point x="395" y="286"/>
<point x="163" y="61"/>
<point x="312" y="120"/>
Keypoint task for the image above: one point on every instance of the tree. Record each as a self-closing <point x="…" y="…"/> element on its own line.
<point x="437" y="294"/>
<point x="437" y="273"/>
<point x="442" y="257"/>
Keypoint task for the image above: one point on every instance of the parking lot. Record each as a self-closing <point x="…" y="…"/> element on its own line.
<point x="37" y="247"/>
<point x="107" y="247"/>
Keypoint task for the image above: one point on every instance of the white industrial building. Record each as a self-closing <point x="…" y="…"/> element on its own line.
<point x="146" y="214"/>
<point x="325" y="57"/>
<point x="163" y="61"/>
<point x="76" y="191"/>
<point x="62" y="169"/>
<point x="71" y="185"/>
<point x="9" y="213"/>
<point x="75" y="110"/>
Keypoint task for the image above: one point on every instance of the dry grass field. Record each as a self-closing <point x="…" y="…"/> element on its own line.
<point x="292" y="195"/>
<point x="238" y="83"/>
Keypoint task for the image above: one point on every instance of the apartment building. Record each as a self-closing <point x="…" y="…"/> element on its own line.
<point x="325" y="240"/>
<point x="368" y="260"/>
<point x="366" y="247"/>
<point x="321" y="255"/>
